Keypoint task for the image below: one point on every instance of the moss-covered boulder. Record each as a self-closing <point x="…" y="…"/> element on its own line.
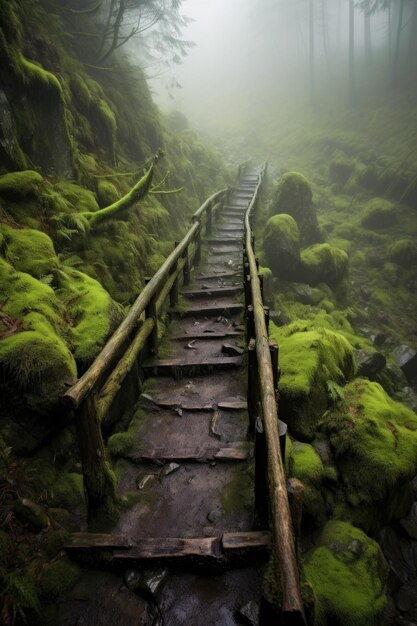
<point x="282" y="245"/>
<point x="340" y="169"/>
<point x="90" y="311"/>
<point x="379" y="213"/>
<point x="294" y="197"/>
<point x="20" y="185"/>
<point x="306" y="465"/>
<point x="29" y="250"/>
<point x="374" y="442"/>
<point x="404" y="253"/>
<point x="313" y="362"/>
<point x="322" y="263"/>
<point x="348" y="573"/>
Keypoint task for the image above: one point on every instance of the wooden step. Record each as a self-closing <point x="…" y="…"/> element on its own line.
<point x="166" y="403"/>
<point x="160" y="456"/>
<point x="206" y="336"/>
<point x="225" y="551"/>
<point x="179" y="368"/>
<point x="217" y="310"/>
<point x="218" y="291"/>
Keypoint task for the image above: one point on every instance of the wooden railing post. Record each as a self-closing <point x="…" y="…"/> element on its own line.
<point x="197" y="253"/>
<point x="150" y="312"/>
<point x="261" y="285"/>
<point x="186" y="269"/>
<point x="209" y="219"/>
<point x="261" y="475"/>
<point x="173" y="294"/>
<point x="266" y="314"/>
<point x="99" y="484"/>
<point x="253" y="396"/>
<point x="250" y="323"/>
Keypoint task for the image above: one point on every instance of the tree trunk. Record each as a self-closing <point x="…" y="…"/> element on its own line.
<point x="352" y="86"/>
<point x="312" y="64"/>
<point x="325" y="34"/>
<point x="367" y="32"/>
<point x="394" y="75"/>
<point x="412" y="45"/>
<point x="99" y="482"/>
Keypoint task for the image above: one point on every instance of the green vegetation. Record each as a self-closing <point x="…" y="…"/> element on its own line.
<point x="282" y="244"/>
<point x="310" y="358"/>
<point x="374" y="441"/>
<point x="347" y="572"/>
<point x="322" y="263"/>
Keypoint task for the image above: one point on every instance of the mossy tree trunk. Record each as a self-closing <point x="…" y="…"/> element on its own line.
<point x="99" y="483"/>
<point x="138" y="192"/>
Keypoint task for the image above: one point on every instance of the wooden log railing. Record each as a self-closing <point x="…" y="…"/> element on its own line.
<point x="92" y="396"/>
<point x="262" y="394"/>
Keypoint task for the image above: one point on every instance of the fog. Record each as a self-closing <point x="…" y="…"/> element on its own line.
<point x="259" y="57"/>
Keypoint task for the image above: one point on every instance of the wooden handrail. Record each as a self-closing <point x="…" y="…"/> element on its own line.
<point x="111" y="351"/>
<point x="93" y="394"/>
<point x="285" y="563"/>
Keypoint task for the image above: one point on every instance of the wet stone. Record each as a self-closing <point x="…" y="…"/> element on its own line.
<point x="167" y="469"/>
<point x="409" y="524"/>
<point x="369" y="362"/>
<point x="248" y="614"/>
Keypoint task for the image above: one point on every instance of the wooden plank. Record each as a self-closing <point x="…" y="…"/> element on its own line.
<point x="205" y="336"/>
<point x="245" y="540"/>
<point x="171" y="547"/>
<point x="215" y="291"/>
<point x="86" y="540"/>
<point x="195" y="455"/>
<point x="234" y="406"/>
<point x="220" y="362"/>
<point x="219" y="310"/>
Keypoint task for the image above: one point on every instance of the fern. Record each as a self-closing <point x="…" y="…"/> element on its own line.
<point x="334" y="391"/>
<point x="21" y="593"/>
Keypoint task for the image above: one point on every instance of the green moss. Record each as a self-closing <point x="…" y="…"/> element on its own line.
<point x="35" y="74"/>
<point x="29" y="251"/>
<point x="82" y="199"/>
<point x="323" y="263"/>
<point x="120" y="444"/>
<point x="20" y="185"/>
<point x="348" y="573"/>
<point x="403" y="252"/>
<point x="282" y="244"/>
<point x="58" y="579"/>
<point x="374" y="441"/>
<point x="107" y="193"/>
<point x="294" y="197"/>
<point x="309" y="358"/>
<point x="307" y="466"/>
<point x="379" y="213"/>
<point x="90" y="311"/>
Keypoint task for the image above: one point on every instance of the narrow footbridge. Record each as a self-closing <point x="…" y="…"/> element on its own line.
<point x="204" y="452"/>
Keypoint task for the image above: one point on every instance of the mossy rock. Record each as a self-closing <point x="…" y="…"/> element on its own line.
<point x="312" y="360"/>
<point x="34" y="354"/>
<point x="307" y="466"/>
<point x="348" y="573"/>
<point x="20" y="185"/>
<point x="294" y="197"/>
<point x="282" y="244"/>
<point x="29" y="251"/>
<point x="58" y="579"/>
<point x="83" y="200"/>
<point x="404" y="253"/>
<point x="341" y="169"/>
<point x="90" y="312"/>
<point x="322" y="263"/>
<point x="379" y="213"/>
<point x="374" y="442"/>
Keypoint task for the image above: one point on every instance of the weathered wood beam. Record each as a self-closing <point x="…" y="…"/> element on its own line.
<point x="285" y="563"/>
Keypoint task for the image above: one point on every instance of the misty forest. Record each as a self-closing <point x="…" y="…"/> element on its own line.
<point x="208" y="305"/>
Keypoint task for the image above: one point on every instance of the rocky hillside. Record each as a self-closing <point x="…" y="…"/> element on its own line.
<point x="75" y="247"/>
